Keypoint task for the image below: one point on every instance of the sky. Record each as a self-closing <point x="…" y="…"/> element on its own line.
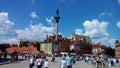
<point x="34" y="19"/>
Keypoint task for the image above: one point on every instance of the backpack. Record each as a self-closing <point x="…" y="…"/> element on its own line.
<point x="38" y="62"/>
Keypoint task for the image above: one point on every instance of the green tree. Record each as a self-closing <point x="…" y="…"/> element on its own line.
<point x="110" y="52"/>
<point x="24" y="43"/>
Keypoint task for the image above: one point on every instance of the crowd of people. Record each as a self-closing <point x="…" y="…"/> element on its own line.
<point x="38" y="60"/>
<point x="98" y="61"/>
<point x="67" y="60"/>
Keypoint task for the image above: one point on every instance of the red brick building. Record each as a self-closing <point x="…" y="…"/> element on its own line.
<point x="63" y="43"/>
<point x="81" y="44"/>
<point x="78" y="44"/>
<point x="117" y="49"/>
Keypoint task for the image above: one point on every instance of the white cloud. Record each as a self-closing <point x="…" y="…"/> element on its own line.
<point x="118" y="1"/>
<point x="118" y="24"/>
<point x="79" y="31"/>
<point x="6" y="26"/>
<point x="106" y="41"/>
<point x="105" y="14"/>
<point x="96" y="29"/>
<point x="34" y="15"/>
<point x="50" y="21"/>
<point x="35" y="32"/>
<point x="111" y="42"/>
<point x="9" y="40"/>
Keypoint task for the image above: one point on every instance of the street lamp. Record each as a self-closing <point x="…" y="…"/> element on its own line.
<point x="57" y="18"/>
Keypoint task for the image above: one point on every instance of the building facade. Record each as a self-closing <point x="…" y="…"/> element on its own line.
<point x="46" y="48"/>
<point x="63" y="43"/>
<point x="81" y="44"/>
<point x="117" y="49"/>
<point x="98" y="49"/>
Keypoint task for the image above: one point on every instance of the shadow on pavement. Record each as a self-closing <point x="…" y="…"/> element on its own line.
<point x="8" y="60"/>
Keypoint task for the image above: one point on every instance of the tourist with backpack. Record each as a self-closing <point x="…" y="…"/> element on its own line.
<point x="39" y="62"/>
<point x="46" y="63"/>
<point x="63" y="63"/>
<point x="31" y="62"/>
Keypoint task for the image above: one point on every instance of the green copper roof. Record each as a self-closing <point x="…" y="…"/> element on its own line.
<point x="87" y="38"/>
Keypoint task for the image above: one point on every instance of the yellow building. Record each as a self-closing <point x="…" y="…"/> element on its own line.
<point x="47" y="48"/>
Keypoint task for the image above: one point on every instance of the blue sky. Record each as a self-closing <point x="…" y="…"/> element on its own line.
<point x="34" y="19"/>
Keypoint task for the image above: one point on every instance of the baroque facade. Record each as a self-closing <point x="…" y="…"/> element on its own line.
<point x="63" y="43"/>
<point x="81" y="44"/>
<point x="98" y="49"/>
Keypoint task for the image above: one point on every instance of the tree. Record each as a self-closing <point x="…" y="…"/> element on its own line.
<point x="116" y="41"/>
<point x="24" y="43"/>
<point x="110" y="52"/>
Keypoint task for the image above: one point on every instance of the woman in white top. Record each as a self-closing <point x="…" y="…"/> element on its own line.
<point x="63" y="63"/>
<point x="46" y="64"/>
<point x="39" y="62"/>
<point x="31" y="62"/>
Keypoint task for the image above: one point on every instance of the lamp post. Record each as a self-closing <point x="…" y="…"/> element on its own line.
<point x="57" y="18"/>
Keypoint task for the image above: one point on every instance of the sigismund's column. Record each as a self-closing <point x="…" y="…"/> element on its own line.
<point x="57" y="18"/>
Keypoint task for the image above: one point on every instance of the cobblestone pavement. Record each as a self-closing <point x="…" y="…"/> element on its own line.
<point x="25" y="64"/>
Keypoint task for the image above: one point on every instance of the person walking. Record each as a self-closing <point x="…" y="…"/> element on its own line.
<point x="46" y="64"/>
<point x="63" y="63"/>
<point x="73" y="59"/>
<point x="53" y="58"/>
<point x="31" y="62"/>
<point x="69" y="61"/>
<point x="39" y="62"/>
